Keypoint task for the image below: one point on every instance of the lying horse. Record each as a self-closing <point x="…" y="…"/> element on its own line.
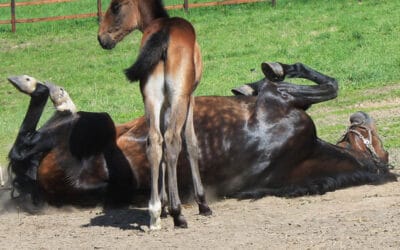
<point x="250" y="146"/>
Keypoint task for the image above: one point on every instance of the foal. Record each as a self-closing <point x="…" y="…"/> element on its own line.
<point x="169" y="68"/>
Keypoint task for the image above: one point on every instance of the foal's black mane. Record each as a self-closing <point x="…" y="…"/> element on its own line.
<point x="159" y="9"/>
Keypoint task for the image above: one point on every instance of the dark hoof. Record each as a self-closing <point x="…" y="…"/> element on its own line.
<point x="245" y="90"/>
<point x="25" y="84"/>
<point x="164" y="213"/>
<point x="180" y="222"/>
<point x="204" y="210"/>
<point x="273" y="71"/>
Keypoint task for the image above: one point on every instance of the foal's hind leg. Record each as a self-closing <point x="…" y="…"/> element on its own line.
<point x="153" y="95"/>
<point x="193" y="155"/>
<point x="173" y="146"/>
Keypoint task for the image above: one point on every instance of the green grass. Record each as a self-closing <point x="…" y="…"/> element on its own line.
<point x="355" y="42"/>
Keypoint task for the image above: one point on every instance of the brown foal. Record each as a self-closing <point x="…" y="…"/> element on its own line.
<point x="169" y="68"/>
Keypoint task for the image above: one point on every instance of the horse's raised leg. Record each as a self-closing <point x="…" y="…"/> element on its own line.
<point x="153" y="95"/>
<point x="23" y="156"/>
<point x="326" y="89"/>
<point x="193" y="155"/>
<point x="60" y="98"/>
<point x="27" y="133"/>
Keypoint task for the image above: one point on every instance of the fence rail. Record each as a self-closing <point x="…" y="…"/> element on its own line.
<point x="186" y="5"/>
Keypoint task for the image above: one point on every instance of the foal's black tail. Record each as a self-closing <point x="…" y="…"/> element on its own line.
<point x="154" y="50"/>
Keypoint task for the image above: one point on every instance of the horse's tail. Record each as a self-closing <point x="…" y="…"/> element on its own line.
<point x="154" y="50"/>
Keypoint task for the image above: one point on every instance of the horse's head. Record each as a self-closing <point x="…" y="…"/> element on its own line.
<point x="121" y="18"/>
<point x="362" y="136"/>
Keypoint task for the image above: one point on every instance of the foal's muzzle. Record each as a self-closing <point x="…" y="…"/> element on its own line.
<point x="106" y="41"/>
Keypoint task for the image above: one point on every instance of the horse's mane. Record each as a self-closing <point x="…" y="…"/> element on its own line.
<point x="159" y="9"/>
<point x="370" y="172"/>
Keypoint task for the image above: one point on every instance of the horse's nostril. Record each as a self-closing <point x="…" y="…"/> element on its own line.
<point x="106" y="42"/>
<point x="100" y="40"/>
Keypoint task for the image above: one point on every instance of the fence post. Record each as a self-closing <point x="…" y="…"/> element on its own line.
<point x="99" y="11"/>
<point x="13" y="21"/>
<point x="273" y="2"/>
<point x="186" y="5"/>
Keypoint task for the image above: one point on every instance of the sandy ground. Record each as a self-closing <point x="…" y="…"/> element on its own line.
<point x="365" y="217"/>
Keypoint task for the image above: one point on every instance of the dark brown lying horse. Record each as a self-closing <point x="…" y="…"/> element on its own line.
<point x="251" y="146"/>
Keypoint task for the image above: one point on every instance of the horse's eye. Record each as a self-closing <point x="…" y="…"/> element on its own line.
<point x="115" y="8"/>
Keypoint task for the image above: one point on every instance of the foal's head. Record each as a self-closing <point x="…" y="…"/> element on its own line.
<point x="124" y="16"/>
<point x="362" y="136"/>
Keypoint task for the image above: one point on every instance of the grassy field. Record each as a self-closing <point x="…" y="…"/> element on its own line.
<point x="358" y="43"/>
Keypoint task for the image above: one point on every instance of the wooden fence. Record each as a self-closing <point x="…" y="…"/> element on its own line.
<point x="12" y="5"/>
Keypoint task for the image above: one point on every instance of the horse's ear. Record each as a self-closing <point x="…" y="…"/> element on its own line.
<point x="273" y="71"/>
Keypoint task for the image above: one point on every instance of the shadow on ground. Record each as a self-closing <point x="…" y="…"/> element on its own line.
<point x="133" y="218"/>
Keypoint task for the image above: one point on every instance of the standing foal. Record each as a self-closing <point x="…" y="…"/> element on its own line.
<point x="169" y="68"/>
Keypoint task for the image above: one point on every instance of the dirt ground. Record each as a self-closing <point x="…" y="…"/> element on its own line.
<point x="354" y="218"/>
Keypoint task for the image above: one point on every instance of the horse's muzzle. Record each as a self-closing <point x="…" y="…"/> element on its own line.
<point x="360" y="118"/>
<point x="106" y="41"/>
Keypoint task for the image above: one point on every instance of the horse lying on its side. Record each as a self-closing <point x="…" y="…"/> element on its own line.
<point x="250" y="146"/>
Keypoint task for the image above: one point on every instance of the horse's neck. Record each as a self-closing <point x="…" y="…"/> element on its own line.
<point x="151" y="10"/>
<point x="341" y="156"/>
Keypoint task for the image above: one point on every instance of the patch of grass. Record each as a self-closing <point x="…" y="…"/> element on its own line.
<point x="355" y="42"/>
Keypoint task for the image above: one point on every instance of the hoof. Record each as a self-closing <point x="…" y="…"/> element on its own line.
<point x="25" y="84"/>
<point x="164" y="213"/>
<point x="204" y="210"/>
<point x="60" y="98"/>
<point x="273" y="71"/>
<point x="180" y="222"/>
<point x="245" y="90"/>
